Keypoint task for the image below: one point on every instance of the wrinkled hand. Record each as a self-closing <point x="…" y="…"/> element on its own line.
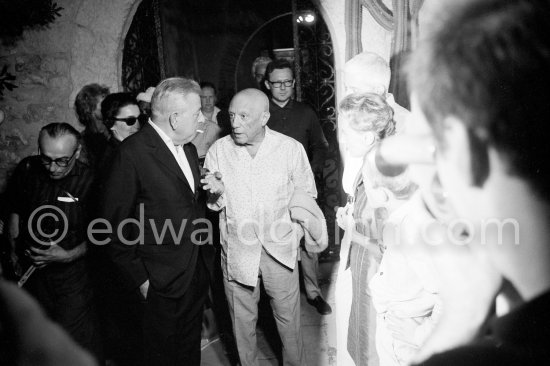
<point x="54" y="254"/>
<point x="213" y="183"/>
<point x="344" y="216"/>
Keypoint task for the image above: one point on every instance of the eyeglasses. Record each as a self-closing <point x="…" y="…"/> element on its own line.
<point x="60" y="162"/>
<point x="278" y="84"/>
<point x="130" y="121"/>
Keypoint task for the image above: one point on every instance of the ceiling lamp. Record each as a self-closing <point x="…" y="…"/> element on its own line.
<point x="305" y="17"/>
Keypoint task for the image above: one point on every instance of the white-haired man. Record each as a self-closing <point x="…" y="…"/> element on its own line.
<point x="154" y="179"/>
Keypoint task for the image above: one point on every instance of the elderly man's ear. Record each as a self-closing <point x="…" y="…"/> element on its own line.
<point x="173" y="120"/>
<point x="265" y="118"/>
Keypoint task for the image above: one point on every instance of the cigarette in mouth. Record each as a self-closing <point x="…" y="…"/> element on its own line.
<point x="200" y="131"/>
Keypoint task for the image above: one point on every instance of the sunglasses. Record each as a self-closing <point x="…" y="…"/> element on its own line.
<point x="130" y="121"/>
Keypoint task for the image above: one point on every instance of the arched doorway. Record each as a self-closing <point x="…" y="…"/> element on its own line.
<point x="217" y="41"/>
<point x="142" y="54"/>
<point x="315" y="86"/>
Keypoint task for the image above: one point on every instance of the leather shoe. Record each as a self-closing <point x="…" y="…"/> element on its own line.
<point x="321" y="305"/>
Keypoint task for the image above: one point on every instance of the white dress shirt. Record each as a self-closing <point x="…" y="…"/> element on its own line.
<point x="179" y="155"/>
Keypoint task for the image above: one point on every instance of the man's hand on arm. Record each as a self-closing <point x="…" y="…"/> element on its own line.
<point x="213" y="184"/>
<point x="55" y="254"/>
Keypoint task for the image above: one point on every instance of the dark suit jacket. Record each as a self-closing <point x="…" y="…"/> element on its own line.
<point x="145" y="183"/>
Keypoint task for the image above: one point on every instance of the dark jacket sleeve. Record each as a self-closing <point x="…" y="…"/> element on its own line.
<point x="118" y="202"/>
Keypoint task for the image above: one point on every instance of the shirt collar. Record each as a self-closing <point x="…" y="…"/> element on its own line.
<point x="390" y="99"/>
<point x="288" y="105"/>
<point x="269" y="133"/>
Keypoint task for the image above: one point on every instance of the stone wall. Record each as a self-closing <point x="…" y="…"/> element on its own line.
<point x="80" y="47"/>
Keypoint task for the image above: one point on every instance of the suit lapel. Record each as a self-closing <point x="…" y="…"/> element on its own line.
<point x="193" y="159"/>
<point x="163" y="155"/>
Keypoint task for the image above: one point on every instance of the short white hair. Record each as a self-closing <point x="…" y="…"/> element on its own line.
<point x="369" y="73"/>
<point x="261" y="60"/>
<point x="169" y="87"/>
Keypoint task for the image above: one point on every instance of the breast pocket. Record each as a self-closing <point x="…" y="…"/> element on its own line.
<point x="58" y="220"/>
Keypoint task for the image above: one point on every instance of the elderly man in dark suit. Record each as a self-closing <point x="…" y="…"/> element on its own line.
<point x="153" y="201"/>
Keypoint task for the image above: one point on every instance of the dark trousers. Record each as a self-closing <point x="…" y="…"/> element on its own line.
<point x="119" y="311"/>
<point x="172" y="326"/>
<point x="65" y="292"/>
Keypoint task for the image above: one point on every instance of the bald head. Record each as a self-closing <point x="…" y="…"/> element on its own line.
<point x="255" y="97"/>
<point x="367" y="72"/>
<point x="249" y="113"/>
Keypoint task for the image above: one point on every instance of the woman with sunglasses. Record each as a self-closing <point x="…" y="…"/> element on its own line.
<point x="121" y="116"/>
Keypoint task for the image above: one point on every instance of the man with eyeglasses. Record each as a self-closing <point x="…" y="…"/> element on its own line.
<point x="299" y="121"/>
<point x="49" y="195"/>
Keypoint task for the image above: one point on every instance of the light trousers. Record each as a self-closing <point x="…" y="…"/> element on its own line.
<point x="282" y="286"/>
<point x="309" y="263"/>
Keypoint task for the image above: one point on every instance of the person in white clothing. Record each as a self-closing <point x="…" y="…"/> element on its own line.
<point x="405" y="290"/>
<point x="261" y="169"/>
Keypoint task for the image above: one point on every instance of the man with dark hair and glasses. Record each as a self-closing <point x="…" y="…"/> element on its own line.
<point x="49" y="195"/>
<point x="299" y="121"/>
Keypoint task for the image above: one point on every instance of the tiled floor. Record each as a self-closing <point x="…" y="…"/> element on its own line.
<point x="319" y="333"/>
